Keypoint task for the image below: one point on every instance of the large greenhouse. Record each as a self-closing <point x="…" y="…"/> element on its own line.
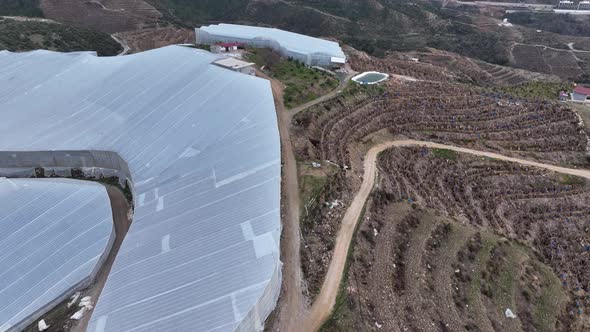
<point x="199" y="146"/>
<point x="54" y="236"/>
<point x="309" y="50"/>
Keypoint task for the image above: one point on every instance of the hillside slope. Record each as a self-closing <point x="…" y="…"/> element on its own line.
<point x="378" y="27"/>
<point x="27" y="35"/>
<point x="20" y="8"/>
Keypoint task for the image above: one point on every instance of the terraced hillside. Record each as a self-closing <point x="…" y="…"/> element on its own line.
<point x="451" y="241"/>
<point x="542" y="59"/>
<point x="340" y="131"/>
<point x="147" y="39"/>
<point x="367" y="25"/>
<point x="103" y="15"/>
<point x="440" y="65"/>
<point x="537" y="129"/>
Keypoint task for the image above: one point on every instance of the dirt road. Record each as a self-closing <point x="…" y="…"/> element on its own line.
<point x="123" y="44"/>
<point x="322" y="307"/>
<point x="341" y="86"/>
<point x="291" y="307"/>
<point x="29" y="19"/>
<point x="121" y="222"/>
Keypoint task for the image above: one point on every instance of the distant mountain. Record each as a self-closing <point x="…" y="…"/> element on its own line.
<point x="374" y="26"/>
<point x="381" y="26"/>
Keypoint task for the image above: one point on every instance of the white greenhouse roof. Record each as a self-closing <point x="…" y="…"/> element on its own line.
<point x="54" y="233"/>
<point x="289" y="40"/>
<point x="203" y="150"/>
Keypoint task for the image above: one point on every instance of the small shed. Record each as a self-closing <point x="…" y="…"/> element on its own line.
<point x="230" y="47"/>
<point x="564" y="96"/>
<point x="217" y="49"/>
<point x="581" y="94"/>
<point x="225" y="47"/>
<point x="234" y="64"/>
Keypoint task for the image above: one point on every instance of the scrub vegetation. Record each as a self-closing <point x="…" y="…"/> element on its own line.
<point x="191" y="13"/>
<point x="572" y="25"/>
<point x="434" y="250"/>
<point x="302" y="84"/>
<point x="535" y="90"/>
<point x="19" y="36"/>
<point x="20" y="8"/>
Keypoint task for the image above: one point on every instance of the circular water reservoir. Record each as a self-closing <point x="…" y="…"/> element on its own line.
<point x="370" y="77"/>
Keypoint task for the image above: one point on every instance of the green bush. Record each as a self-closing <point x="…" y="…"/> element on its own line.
<point x="18" y="36"/>
<point x="20" y="8"/>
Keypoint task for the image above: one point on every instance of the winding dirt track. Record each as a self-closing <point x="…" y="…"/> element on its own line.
<point x="291" y="306"/>
<point x="322" y="307"/>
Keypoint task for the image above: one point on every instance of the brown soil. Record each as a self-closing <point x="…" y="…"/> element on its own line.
<point x="343" y="129"/>
<point x="452" y="113"/>
<point x="531" y="255"/>
<point x="291" y="305"/>
<point x="107" y="16"/>
<point x="59" y="317"/>
<point x="327" y="297"/>
<point x="437" y="65"/>
<point x="147" y="39"/>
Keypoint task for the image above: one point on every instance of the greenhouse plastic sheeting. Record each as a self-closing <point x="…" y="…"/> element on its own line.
<point x="54" y="235"/>
<point x="202" y="146"/>
<point x="312" y="51"/>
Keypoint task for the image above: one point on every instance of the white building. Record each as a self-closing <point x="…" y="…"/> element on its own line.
<point x="309" y="50"/>
<point x="234" y="64"/>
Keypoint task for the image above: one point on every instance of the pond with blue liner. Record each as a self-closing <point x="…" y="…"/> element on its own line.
<point x="370" y="77"/>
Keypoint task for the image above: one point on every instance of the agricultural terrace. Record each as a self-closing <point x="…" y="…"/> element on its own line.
<point x="342" y="130"/>
<point x="453" y="240"/>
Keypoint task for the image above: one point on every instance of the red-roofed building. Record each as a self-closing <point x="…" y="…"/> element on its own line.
<point x="581" y="94"/>
<point x="228" y="45"/>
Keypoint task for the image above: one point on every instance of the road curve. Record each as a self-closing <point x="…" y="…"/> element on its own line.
<point x="341" y="86"/>
<point x="123" y="44"/>
<point x="322" y="307"/>
<point x="291" y="306"/>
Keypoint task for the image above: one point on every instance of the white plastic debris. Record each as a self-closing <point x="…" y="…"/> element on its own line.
<point x="79" y="314"/>
<point x="42" y="326"/>
<point x="74" y="299"/>
<point x="315" y="165"/>
<point x="333" y="204"/>
<point x="510" y="314"/>
<point x="378" y="325"/>
<point x="86" y="301"/>
<point x="505" y="23"/>
<point x="375" y="232"/>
